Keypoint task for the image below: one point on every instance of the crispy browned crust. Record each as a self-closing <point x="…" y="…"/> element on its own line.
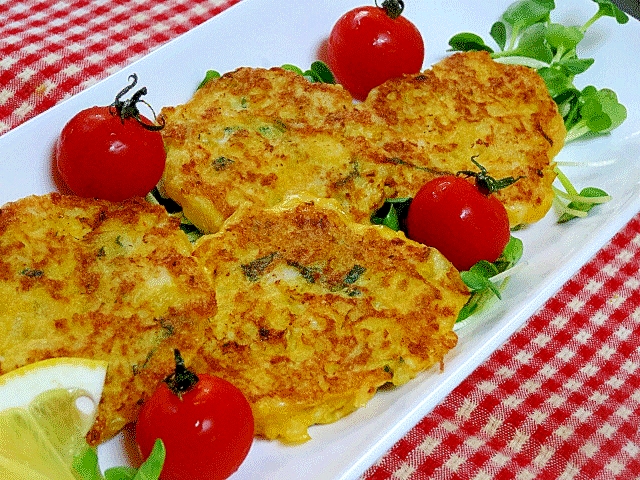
<point x="254" y="135"/>
<point x="317" y="312"/>
<point x="92" y="279"/>
<point x="258" y="135"/>
<point x="307" y="312"/>
<point x="468" y="106"/>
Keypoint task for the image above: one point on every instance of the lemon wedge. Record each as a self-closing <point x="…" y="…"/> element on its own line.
<point x="46" y="409"/>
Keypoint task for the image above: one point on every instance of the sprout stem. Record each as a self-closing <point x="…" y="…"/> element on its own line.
<point x="580" y="198"/>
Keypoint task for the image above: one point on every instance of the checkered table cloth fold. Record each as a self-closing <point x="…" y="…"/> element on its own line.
<point x="559" y="400"/>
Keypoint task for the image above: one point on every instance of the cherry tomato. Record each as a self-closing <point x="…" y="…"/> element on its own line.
<point x="454" y="216"/>
<point x="369" y="45"/>
<point x="207" y="427"/>
<point x="111" y="152"/>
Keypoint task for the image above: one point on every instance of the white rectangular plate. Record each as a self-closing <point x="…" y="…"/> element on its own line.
<point x="265" y="33"/>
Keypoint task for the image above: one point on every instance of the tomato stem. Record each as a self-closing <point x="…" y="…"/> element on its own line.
<point x="393" y="8"/>
<point x="486" y="183"/>
<point x="182" y="379"/>
<point x="129" y="108"/>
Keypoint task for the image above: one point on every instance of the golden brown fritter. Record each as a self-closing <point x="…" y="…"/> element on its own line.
<point x="88" y="278"/>
<point x="301" y="304"/>
<point x="258" y="135"/>
<point x="307" y="312"/>
<point x="316" y="312"/>
<point x="467" y="106"/>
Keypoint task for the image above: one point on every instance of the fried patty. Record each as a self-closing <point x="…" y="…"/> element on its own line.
<point x="467" y="107"/>
<point x="301" y="304"/>
<point x="257" y="135"/>
<point x="306" y="311"/>
<point x="93" y="279"/>
<point x="316" y="312"/>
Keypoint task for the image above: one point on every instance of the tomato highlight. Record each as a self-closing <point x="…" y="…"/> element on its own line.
<point x="369" y="45"/>
<point x="454" y="216"/>
<point x="204" y="421"/>
<point x="111" y="152"/>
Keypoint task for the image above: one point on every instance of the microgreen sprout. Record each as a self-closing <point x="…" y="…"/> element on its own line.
<point x="485" y="280"/>
<point x="208" y="77"/>
<point x="86" y="466"/>
<point x="392" y="214"/>
<point x="573" y="204"/>
<point x="526" y="35"/>
<point x="319" y="72"/>
<point x="595" y="112"/>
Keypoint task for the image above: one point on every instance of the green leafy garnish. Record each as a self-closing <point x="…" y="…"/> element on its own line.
<point x="210" y="75"/>
<point x="526" y="35"/>
<point x="86" y="465"/>
<point x="481" y="282"/>
<point x="594" y="112"/>
<point x="392" y="214"/>
<point x="318" y="73"/>
<point x="573" y="204"/>
<point x="465" y="42"/>
<point x="477" y="277"/>
<point x="175" y="210"/>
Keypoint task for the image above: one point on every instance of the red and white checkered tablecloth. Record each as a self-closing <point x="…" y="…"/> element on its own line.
<point x="561" y="399"/>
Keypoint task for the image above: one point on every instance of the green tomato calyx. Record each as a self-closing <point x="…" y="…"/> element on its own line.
<point x="486" y="183"/>
<point x="393" y="8"/>
<point x="182" y="379"/>
<point x="129" y="108"/>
